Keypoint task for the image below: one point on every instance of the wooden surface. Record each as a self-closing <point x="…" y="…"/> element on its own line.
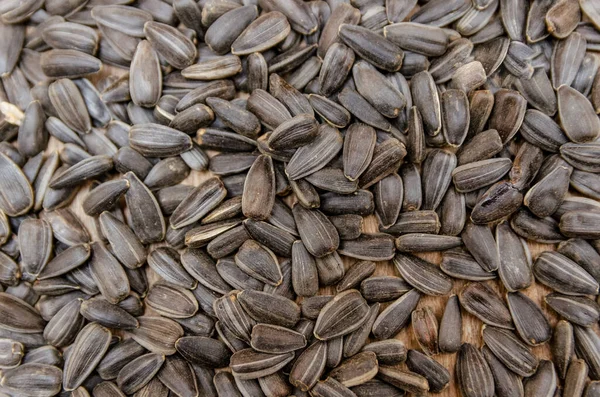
<point x="471" y="325"/>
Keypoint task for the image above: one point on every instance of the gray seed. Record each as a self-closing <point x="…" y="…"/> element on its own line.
<point x="577" y="116"/>
<point x="578" y="310"/>
<point x="198" y="203"/>
<point x="263" y="33"/>
<point x="267" y="308"/>
<point x="563" y="275"/>
<point x="544" y="382"/>
<point x="203" y="351"/>
<point x="248" y="364"/>
<point x="481" y="301"/>
<point x="373" y="247"/>
<point x="372" y="47"/>
<point x="395" y="317"/>
<point x="587" y="347"/>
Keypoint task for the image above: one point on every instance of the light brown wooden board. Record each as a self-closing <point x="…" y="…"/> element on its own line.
<point x="471" y="325"/>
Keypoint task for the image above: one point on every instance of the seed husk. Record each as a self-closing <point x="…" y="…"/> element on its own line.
<point x="387" y="157"/>
<point x="425" y="329"/>
<point x="261" y="34"/>
<point x="436" y="174"/>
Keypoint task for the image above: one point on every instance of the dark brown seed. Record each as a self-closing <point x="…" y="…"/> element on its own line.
<point x="203" y="351"/>
<point x="66" y="63"/>
<point x="510" y="351"/>
<point x="507" y="114"/>
<point x="530" y="322"/>
<point x="507" y="383"/>
<point x="425" y="329"/>
<point x="263" y="33"/>
<point x="82" y="171"/>
<point x="66" y="226"/>
<point x="332" y="112"/>
<point x="315" y="155"/>
<point x="408" y="381"/>
<point x="104" y="196"/>
<point x="198" y="203"/>
<point x="312" y="224"/>
<point x="309" y="366"/>
<point x="165" y="261"/>
<point x="348" y="306"/>
<point x="563" y="275"/>
<point x="248" y="364"/>
<point x="275" y="339"/>
<point x="259" y="189"/>
<point x="362" y="109"/>
<point x="337" y="64"/>
<point x="87" y="351"/>
<point x="422" y="275"/>
<point x="544" y="382"/>
<point x="259" y="262"/>
<point x="480" y="300"/>
<point x="481" y="244"/>
<point x="437" y="376"/>
<point x="108" y="273"/>
<point x="356" y="370"/>
<point x="473" y="372"/>
<point x="240" y="120"/>
<point x="177" y="49"/>
<point x="373" y="48"/>
<point x="578" y="310"/>
<point x="387" y="157"/>
<point x="515" y="259"/>
<point x="157" y="334"/>
<point x="124" y="243"/>
<point x="527" y="225"/>
<point x="396" y="316"/>
<point x="581" y="224"/>
<point x="373" y="247"/>
<point x="383" y="288"/>
<point x="147" y="220"/>
<point x="268" y="308"/>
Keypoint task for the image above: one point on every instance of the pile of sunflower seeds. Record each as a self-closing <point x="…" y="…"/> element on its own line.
<point x="466" y="128"/>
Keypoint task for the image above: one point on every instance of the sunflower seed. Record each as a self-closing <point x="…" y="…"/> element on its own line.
<point x="481" y="301"/>
<point x="258" y="305"/>
<point x="391" y="320"/>
<point x="261" y="34"/>
<point x="248" y="364"/>
<point x="198" y="203"/>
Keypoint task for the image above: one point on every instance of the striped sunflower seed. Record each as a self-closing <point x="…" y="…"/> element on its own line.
<point x="395" y="317"/>
<point x="473" y="372"/>
<point x="480" y="300"/>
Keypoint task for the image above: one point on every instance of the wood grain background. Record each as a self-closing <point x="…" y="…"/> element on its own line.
<point x="471" y="325"/>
